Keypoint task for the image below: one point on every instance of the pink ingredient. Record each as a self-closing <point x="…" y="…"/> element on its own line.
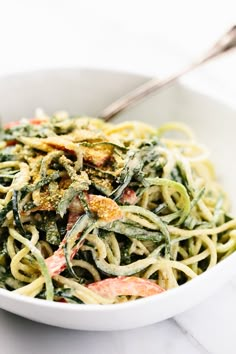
<point x="129" y="197"/>
<point x="128" y="286"/>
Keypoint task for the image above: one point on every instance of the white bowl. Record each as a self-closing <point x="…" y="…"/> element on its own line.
<point x="88" y="91"/>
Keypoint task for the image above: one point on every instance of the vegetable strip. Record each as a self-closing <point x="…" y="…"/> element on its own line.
<point x="95" y="213"/>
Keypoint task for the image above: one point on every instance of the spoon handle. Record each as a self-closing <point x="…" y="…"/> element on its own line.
<point x="223" y="45"/>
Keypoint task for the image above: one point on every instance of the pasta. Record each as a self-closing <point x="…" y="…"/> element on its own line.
<point x="97" y="213"/>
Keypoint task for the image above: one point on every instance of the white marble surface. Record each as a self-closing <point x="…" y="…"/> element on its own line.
<point x="152" y="37"/>
<point x="207" y="328"/>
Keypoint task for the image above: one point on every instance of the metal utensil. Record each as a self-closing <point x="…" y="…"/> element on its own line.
<point x="223" y="45"/>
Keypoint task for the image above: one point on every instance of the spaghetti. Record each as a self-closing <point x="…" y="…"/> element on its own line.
<point x="92" y="212"/>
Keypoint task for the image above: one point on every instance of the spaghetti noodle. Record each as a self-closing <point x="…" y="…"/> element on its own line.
<point x="92" y="212"/>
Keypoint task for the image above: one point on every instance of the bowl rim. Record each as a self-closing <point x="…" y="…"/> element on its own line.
<point x="83" y="68"/>
<point x="171" y="293"/>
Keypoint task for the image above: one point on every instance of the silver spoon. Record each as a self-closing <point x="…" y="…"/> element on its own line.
<point x="223" y="45"/>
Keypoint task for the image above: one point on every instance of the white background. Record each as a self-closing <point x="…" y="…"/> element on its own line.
<point x="152" y="37"/>
<point x="149" y="36"/>
<point x="155" y="37"/>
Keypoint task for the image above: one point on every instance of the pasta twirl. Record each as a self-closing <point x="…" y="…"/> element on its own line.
<point x="92" y="212"/>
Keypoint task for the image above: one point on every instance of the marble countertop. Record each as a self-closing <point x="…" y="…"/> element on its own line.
<point x="133" y="42"/>
<point x="207" y="328"/>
